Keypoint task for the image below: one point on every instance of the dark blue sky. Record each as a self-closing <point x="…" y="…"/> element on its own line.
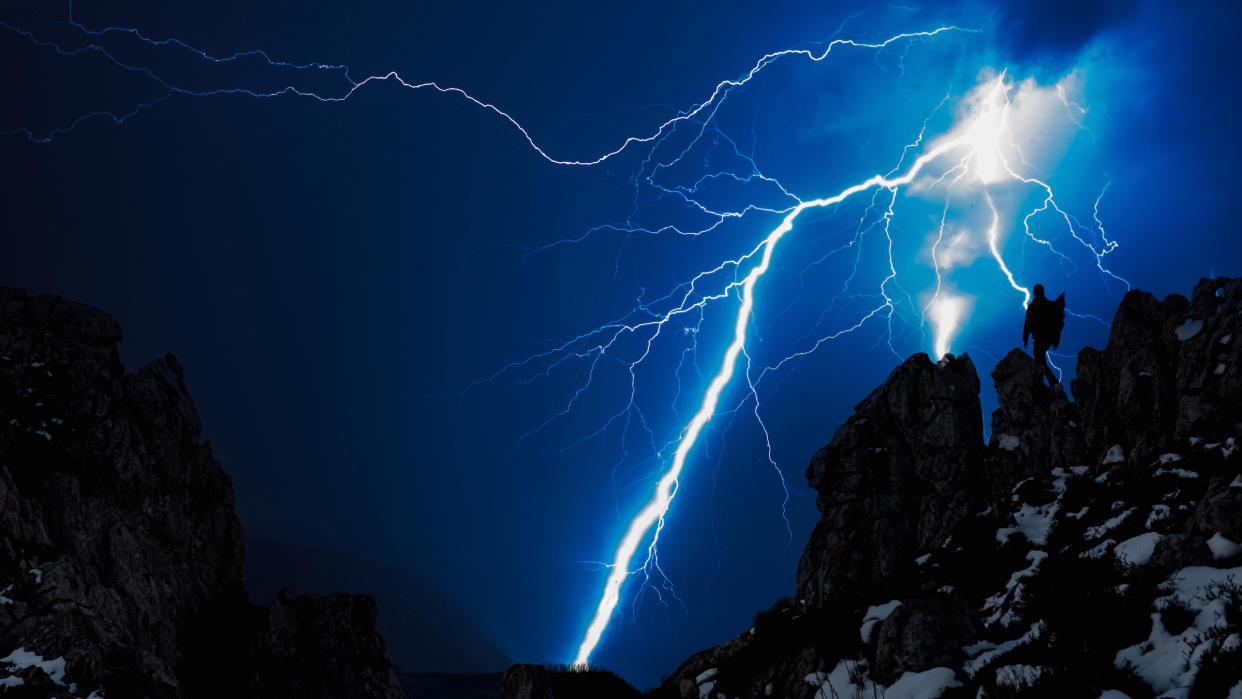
<point x="333" y="275"/>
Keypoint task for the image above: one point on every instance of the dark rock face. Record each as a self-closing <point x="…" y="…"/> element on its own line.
<point x="1209" y="363"/>
<point x="1064" y="558"/>
<point x="321" y="647"/>
<point x="895" y="481"/>
<point x="1170" y="372"/>
<point x="119" y="549"/>
<point x="1126" y="393"/>
<point x="924" y="633"/>
<point x="1219" y="511"/>
<point x="527" y="682"/>
<point x="539" y="682"/>
<point x="1035" y="428"/>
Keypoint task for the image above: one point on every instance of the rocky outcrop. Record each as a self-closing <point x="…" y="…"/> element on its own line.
<point x="320" y="647"/>
<point x="524" y="681"/>
<point x="1218" y="513"/>
<point x="121" y="559"/>
<point x="895" y="481"/>
<point x="1127" y="393"/>
<point x="540" y="682"/>
<point x="924" y="633"/>
<point x="1170" y="372"/>
<point x="1035" y="427"/>
<point x="903" y="477"/>
<point x="1092" y="545"/>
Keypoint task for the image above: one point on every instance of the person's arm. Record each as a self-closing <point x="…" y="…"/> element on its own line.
<point x="1026" y="327"/>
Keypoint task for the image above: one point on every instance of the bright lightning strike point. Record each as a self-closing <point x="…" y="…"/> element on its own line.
<point x="947" y="313"/>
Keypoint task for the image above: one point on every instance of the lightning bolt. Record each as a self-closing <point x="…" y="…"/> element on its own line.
<point x="984" y="157"/>
<point x="978" y="154"/>
<point x="665" y="490"/>
<point x="983" y="153"/>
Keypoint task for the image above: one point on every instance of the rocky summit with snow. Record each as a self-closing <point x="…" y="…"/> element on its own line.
<point x="1089" y="548"/>
<point x="122" y="563"/>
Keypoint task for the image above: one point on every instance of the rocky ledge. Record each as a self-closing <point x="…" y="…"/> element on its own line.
<point x="1089" y="548"/>
<point x="122" y="563"/>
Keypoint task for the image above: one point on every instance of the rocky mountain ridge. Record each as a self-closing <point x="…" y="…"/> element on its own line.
<point x="122" y="563"/>
<point x="1090" y="548"/>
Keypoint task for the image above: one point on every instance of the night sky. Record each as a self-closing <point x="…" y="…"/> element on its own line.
<point x="338" y="278"/>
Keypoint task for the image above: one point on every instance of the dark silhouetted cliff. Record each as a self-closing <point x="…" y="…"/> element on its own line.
<point x="121" y="560"/>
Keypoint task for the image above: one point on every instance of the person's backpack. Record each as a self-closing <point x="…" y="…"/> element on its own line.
<point x="1056" y="321"/>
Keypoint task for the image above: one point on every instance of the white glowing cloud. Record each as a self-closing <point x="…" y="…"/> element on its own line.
<point x="1012" y="126"/>
<point x="956" y="248"/>
<point x="1044" y="120"/>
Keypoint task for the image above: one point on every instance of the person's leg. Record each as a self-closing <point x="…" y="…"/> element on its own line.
<point x="1041" y="356"/>
<point x="1052" y="375"/>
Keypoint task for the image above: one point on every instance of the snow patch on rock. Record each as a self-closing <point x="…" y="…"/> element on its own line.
<point x="1020" y="676"/>
<point x="928" y="684"/>
<point x="1158" y="512"/>
<point x="1012" y="594"/>
<point x="1101" y="529"/>
<point x="706" y="675"/>
<point x="875" y="615"/>
<point x="22" y="659"/>
<point x="984" y="652"/>
<point x="1168" y="662"/>
<point x="1137" y="550"/>
<point x="1189" y="329"/>
<point x="1179" y="472"/>
<point x="1222" y="547"/>
<point x="1099" y="550"/>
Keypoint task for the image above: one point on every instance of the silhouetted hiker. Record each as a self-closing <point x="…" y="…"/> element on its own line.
<point x="1044" y="320"/>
